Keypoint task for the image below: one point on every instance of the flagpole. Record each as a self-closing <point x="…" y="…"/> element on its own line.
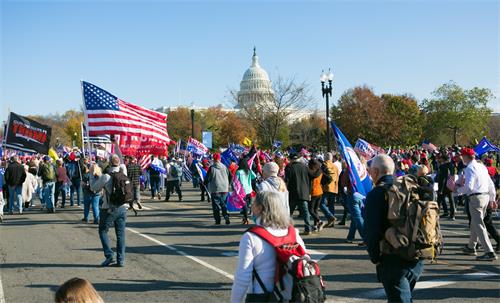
<point x="89" y="147"/>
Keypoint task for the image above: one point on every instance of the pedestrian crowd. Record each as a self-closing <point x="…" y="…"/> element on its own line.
<point x="269" y="190"/>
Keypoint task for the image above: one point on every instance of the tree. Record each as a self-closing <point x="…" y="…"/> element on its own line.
<point x="271" y="114"/>
<point x="362" y="114"/>
<point x="404" y="119"/>
<point x="179" y="124"/>
<point x="309" y="131"/>
<point x="234" y="128"/>
<point x="456" y="115"/>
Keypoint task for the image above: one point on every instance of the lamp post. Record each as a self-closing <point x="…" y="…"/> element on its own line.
<point x="75" y="135"/>
<point x="192" y="123"/>
<point x="327" y="93"/>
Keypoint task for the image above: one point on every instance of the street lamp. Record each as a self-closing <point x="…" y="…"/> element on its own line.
<point x="75" y="135"/>
<point x="192" y="123"/>
<point x="327" y="93"/>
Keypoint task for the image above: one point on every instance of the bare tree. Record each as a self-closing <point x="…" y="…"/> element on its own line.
<point x="270" y="113"/>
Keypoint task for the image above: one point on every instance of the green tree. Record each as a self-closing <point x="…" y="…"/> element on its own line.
<point x="404" y="118"/>
<point x="457" y="115"/>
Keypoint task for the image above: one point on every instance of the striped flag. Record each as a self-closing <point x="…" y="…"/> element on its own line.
<point x="186" y="172"/>
<point x="106" y="114"/>
<point x="103" y="139"/>
<point x="145" y="161"/>
<point x="429" y="146"/>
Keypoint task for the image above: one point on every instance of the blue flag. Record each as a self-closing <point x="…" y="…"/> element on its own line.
<point x="277" y="144"/>
<point x="485" y="146"/>
<point x="201" y="171"/>
<point x="358" y="174"/>
<point x="227" y="156"/>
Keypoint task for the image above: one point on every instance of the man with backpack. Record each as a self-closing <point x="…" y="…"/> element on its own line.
<point x="398" y="275"/>
<point x="118" y="193"/>
<point x="48" y="174"/>
<point x="173" y="179"/>
<point x="74" y="170"/>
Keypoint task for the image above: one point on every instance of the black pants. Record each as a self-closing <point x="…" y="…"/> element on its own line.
<point x="313" y="206"/>
<point x="490" y="227"/>
<point x="442" y="203"/>
<point x="171" y="186"/>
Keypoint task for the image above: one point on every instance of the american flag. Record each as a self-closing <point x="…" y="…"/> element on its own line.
<point x="428" y="145"/>
<point x="144" y="161"/>
<point x="106" y="115"/>
<point x="103" y="139"/>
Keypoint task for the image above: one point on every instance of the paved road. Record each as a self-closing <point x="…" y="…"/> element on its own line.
<point x="176" y="254"/>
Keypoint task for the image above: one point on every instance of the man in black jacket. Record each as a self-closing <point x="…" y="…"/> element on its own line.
<point x="398" y="276"/>
<point x="14" y="177"/>
<point x="445" y="171"/>
<point x="298" y="182"/>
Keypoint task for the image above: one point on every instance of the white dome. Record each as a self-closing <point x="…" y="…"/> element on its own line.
<point x="255" y="85"/>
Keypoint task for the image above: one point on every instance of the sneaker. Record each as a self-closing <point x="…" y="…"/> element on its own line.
<point x="107" y="262"/>
<point x="85" y="220"/>
<point x="487" y="257"/>
<point x="469" y="251"/>
<point x="217" y="222"/>
<point x="349" y="241"/>
<point x="180" y="199"/>
<point x="305" y="233"/>
<point x="320" y="225"/>
<point x="228" y="222"/>
<point x="452" y="218"/>
<point x="341" y="223"/>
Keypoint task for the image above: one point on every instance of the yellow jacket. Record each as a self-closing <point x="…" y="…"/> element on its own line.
<point x="333" y="187"/>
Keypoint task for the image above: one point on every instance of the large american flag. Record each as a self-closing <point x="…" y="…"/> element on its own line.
<point x="106" y="115"/>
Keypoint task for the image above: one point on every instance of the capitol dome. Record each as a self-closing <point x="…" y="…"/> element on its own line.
<point x="255" y="87"/>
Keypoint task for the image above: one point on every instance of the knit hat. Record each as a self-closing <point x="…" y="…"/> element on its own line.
<point x="271" y="169"/>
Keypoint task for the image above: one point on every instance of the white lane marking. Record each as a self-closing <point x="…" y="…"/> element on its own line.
<point x="455" y="232"/>
<point x="380" y="293"/>
<point x="316" y="254"/>
<point x="2" y="297"/>
<point x="180" y="252"/>
<point x="147" y="207"/>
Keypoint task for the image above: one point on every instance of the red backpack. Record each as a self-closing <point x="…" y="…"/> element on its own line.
<point x="291" y="259"/>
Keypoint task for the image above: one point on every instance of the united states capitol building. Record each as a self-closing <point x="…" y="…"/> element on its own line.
<point x="256" y="91"/>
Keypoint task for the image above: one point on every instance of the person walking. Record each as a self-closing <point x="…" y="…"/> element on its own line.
<point x="246" y="176"/>
<point x="154" y="180"/>
<point x="62" y="180"/>
<point x="397" y="275"/>
<point x="258" y="257"/>
<point x="330" y="189"/>
<point x="15" y="175"/>
<point x="480" y="190"/>
<point x="90" y="198"/>
<point x="298" y="182"/>
<point x="48" y="175"/>
<point x="29" y="187"/>
<point x="316" y="192"/>
<point x="134" y="174"/>
<point x="173" y="179"/>
<point x="446" y="170"/>
<point x="218" y="180"/>
<point x="111" y="214"/>
<point x="75" y="174"/>
<point x="272" y="182"/>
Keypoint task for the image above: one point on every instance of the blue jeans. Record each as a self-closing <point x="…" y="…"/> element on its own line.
<point x="327" y="205"/>
<point x="48" y="194"/>
<point x="60" y="188"/>
<point x="399" y="278"/>
<point x="116" y="217"/>
<point x="304" y="210"/>
<point x="91" y="199"/>
<point x="218" y="205"/>
<point x="75" y="186"/>
<point x="357" y="222"/>
<point x="16" y="192"/>
<point x="155" y="185"/>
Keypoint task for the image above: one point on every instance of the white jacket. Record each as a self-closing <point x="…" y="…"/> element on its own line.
<point x="256" y="252"/>
<point x="29" y="187"/>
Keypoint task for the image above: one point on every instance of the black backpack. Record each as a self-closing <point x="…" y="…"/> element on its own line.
<point x="121" y="191"/>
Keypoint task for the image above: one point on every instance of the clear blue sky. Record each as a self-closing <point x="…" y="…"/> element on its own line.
<point x="164" y="53"/>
